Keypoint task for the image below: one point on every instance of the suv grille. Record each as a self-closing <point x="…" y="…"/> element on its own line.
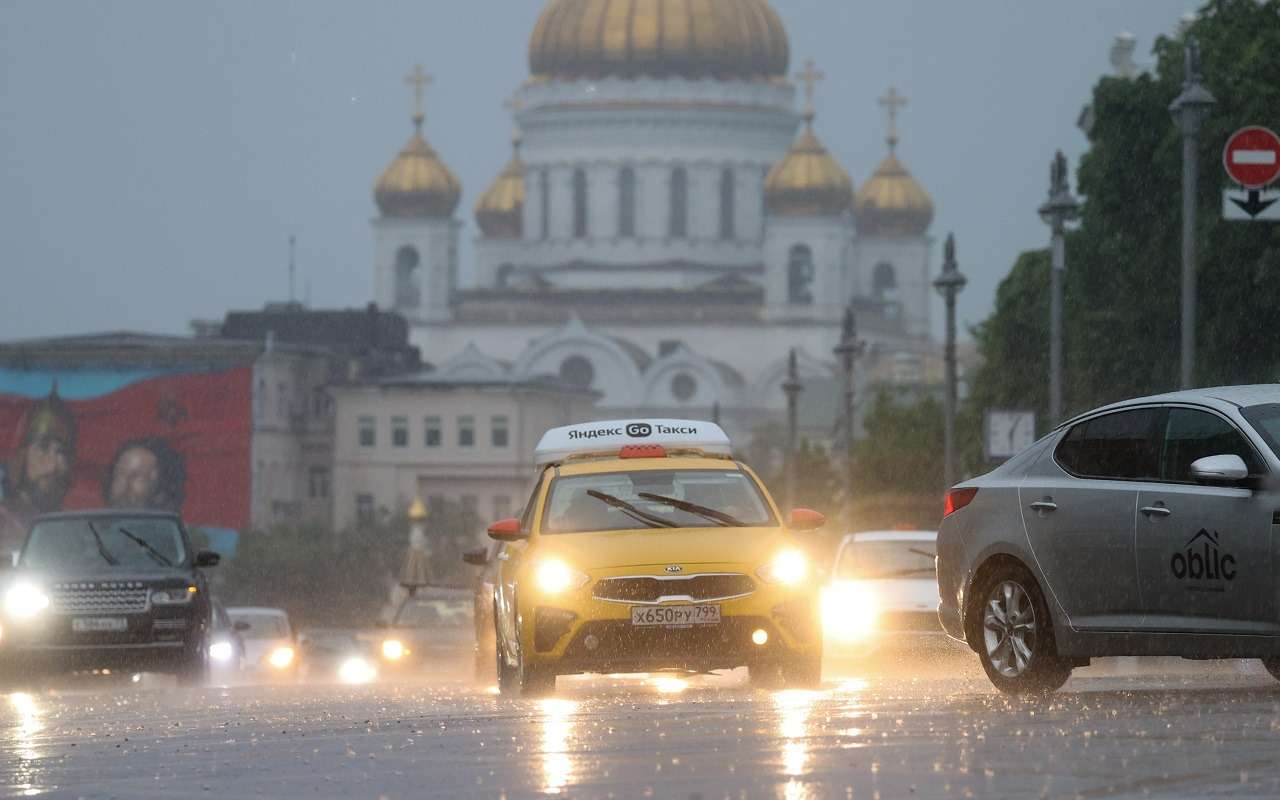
<point x="695" y="587"/>
<point x="115" y="598"/>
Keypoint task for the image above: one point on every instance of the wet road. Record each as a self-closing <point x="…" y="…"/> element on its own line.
<point x="1181" y="731"/>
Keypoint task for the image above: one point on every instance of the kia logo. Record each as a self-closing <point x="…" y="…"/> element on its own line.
<point x="674" y="568"/>
<point x="637" y="430"/>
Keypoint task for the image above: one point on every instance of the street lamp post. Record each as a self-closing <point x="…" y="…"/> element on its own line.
<point x="1190" y="109"/>
<point x="949" y="284"/>
<point x="848" y="351"/>
<point x="1057" y="211"/>
<point x="792" y="387"/>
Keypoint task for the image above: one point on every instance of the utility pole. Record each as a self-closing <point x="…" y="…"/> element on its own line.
<point x="848" y="351"/>
<point x="949" y="284"/>
<point x="792" y="387"/>
<point x="1190" y="109"/>
<point x="1057" y="211"/>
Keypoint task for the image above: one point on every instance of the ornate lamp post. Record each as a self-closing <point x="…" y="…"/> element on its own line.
<point x="949" y="284"/>
<point x="792" y="387"/>
<point x="1057" y="211"/>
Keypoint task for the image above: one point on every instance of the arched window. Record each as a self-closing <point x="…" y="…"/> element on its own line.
<point x="800" y="275"/>
<point x="408" y="278"/>
<point x="679" y="225"/>
<point x="884" y="281"/>
<point x="726" y="204"/>
<point x="579" y="204"/>
<point x="544" y="203"/>
<point x="577" y="372"/>
<point x="627" y="202"/>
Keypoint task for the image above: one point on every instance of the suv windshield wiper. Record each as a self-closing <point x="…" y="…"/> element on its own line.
<point x="651" y="520"/>
<point x="155" y="554"/>
<point x="719" y="517"/>
<point x="102" y="547"/>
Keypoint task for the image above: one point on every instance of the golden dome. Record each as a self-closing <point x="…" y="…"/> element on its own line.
<point x="808" y="182"/>
<point x="726" y="39"/>
<point x="417" y="184"/>
<point x="892" y="203"/>
<point x="500" y="210"/>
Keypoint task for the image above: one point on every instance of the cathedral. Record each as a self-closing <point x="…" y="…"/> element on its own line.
<point x="669" y="225"/>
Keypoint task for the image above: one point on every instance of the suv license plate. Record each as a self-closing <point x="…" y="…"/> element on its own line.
<point x="675" y="616"/>
<point x="98" y="624"/>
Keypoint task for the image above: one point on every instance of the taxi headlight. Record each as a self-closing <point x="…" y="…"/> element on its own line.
<point x="788" y="568"/>
<point x="850" y="611"/>
<point x="281" y="657"/>
<point x="221" y="651"/>
<point x="25" y="600"/>
<point x="393" y="650"/>
<point x="554" y="576"/>
<point x="356" y="670"/>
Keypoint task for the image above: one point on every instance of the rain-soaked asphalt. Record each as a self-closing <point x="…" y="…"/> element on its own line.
<point x="1168" y="729"/>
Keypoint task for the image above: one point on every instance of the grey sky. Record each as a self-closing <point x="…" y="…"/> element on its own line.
<point x="155" y="156"/>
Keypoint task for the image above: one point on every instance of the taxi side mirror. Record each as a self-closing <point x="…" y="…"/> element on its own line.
<point x="805" y="519"/>
<point x="477" y="557"/>
<point x="1219" y="469"/>
<point x="507" y="530"/>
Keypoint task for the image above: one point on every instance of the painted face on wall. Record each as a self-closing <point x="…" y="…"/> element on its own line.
<point x="47" y="473"/>
<point x="135" y="480"/>
<point x="39" y="476"/>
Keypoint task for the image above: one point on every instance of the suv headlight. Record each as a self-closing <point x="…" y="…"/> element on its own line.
<point x="554" y="576"/>
<point x="788" y="568"/>
<point x="173" y="597"/>
<point x="25" y="600"/>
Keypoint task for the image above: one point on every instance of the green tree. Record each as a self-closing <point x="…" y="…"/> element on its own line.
<point x="902" y="449"/>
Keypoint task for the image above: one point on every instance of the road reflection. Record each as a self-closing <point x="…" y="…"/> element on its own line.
<point x="557" y="728"/>
<point x="794" y="707"/>
<point x="29" y="725"/>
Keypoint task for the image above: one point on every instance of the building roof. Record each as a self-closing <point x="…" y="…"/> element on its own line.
<point x="430" y="379"/>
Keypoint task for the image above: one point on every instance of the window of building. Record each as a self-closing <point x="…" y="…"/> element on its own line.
<point x="262" y="398"/>
<point x="364" y="507"/>
<point x="408" y="281"/>
<point x="432" y="431"/>
<point x="544" y="203"/>
<point x="579" y="204"/>
<point x="282" y="400"/>
<point x="501" y="506"/>
<point x="470" y="505"/>
<point x="466" y="431"/>
<point x="500" y="431"/>
<point x="368" y="427"/>
<point x="436" y="505"/>
<point x="884" y="280"/>
<point x="318" y="483"/>
<point x="678" y="227"/>
<point x="683" y="387"/>
<point x="399" y="431"/>
<point x="800" y="275"/>
<point x="727" y="209"/>
<point x="1122" y="445"/>
<point x="577" y="372"/>
<point x="503" y="276"/>
<point x="627" y="202"/>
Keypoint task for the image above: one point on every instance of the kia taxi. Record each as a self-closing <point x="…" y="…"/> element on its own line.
<point x="645" y="546"/>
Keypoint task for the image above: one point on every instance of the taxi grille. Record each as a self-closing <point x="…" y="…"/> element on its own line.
<point x="699" y="588"/>
<point x="99" y="600"/>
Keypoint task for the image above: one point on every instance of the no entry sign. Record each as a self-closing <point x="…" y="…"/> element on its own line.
<point x="1252" y="156"/>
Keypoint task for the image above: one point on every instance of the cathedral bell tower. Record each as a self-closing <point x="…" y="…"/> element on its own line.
<point x="416" y="234"/>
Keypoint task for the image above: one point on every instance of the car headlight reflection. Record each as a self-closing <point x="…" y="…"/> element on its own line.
<point x="356" y="670"/>
<point x="25" y="600"/>
<point x="221" y="651"/>
<point x="554" y="576"/>
<point x="788" y="568"/>
<point x="281" y="657"/>
<point x="850" y="611"/>
<point x="393" y="650"/>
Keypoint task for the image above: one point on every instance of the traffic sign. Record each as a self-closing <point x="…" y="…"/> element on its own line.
<point x="1252" y="156"/>
<point x="1251" y="205"/>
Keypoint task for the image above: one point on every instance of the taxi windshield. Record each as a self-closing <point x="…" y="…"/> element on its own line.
<point x="114" y="543"/>
<point x="887" y="559"/>
<point x="618" y="501"/>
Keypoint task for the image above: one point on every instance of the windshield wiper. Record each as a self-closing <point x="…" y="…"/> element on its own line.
<point x="155" y="554"/>
<point x="651" y="520"/>
<point x="719" y="517"/>
<point x="102" y="547"/>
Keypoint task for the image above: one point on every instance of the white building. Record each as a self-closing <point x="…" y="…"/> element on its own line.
<point x="668" y="228"/>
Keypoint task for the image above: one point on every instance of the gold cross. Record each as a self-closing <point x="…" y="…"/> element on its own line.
<point x="891" y="103"/>
<point x="809" y="76"/>
<point x="419" y="80"/>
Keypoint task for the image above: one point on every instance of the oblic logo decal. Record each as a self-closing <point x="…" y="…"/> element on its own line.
<point x="638" y="430"/>
<point x="1203" y="560"/>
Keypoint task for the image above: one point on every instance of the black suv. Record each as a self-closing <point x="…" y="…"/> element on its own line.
<point x="119" y="590"/>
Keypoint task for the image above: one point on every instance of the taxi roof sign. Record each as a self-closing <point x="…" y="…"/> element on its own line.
<point x="584" y="438"/>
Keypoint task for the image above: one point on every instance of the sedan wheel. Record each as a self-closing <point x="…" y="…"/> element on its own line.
<point x="1009" y="629"/>
<point x="1015" y="641"/>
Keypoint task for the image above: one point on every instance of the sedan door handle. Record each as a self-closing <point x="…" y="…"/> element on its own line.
<point x="1044" y="506"/>
<point x="1155" y="511"/>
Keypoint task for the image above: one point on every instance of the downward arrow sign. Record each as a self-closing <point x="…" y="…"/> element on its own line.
<point x="1254" y="205"/>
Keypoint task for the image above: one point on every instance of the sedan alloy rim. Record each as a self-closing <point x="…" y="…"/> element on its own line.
<point x="1009" y="629"/>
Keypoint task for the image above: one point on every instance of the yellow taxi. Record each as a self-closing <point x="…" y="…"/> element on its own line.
<point x="645" y="546"/>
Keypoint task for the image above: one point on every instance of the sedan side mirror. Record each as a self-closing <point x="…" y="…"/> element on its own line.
<point x="477" y="557"/>
<point x="805" y="519"/>
<point x="208" y="558"/>
<point x="507" y="530"/>
<point x="1219" y="469"/>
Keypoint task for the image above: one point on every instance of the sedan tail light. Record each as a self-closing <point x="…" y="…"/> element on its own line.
<point x="958" y="499"/>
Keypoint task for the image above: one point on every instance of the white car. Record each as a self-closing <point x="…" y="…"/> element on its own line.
<point x="270" y="648"/>
<point x="883" y="594"/>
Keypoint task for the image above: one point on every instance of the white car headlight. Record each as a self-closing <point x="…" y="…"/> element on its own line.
<point x="850" y="611"/>
<point x="281" y="657"/>
<point x="25" y="600"/>
<point x="788" y="568"/>
<point x="393" y="650"/>
<point x="555" y="576"/>
<point x="221" y="651"/>
<point x="356" y="670"/>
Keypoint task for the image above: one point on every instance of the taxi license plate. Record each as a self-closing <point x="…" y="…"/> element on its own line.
<point x="99" y="624"/>
<point x="675" y="616"/>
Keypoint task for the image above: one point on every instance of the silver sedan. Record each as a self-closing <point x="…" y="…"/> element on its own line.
<point x="1147" y="527"/>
